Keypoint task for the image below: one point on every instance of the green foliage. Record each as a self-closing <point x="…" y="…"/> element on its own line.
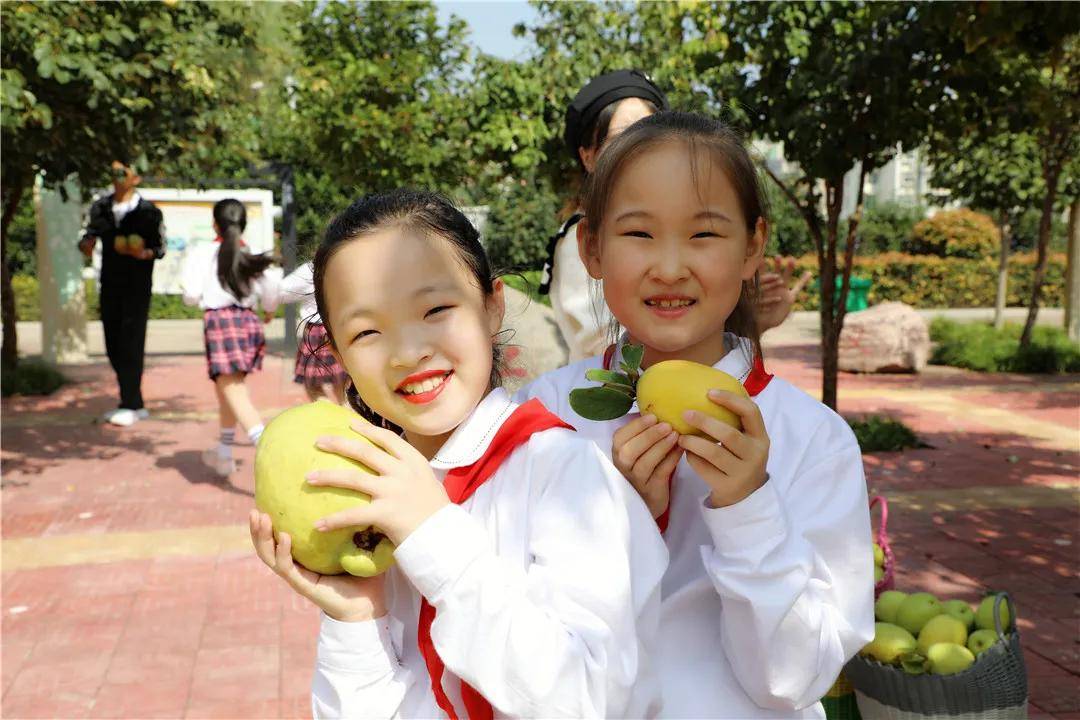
<point x="927" y="281"/>
<point x="22" y="239"/>
<point x="31" y="377"/>
<point x="523" y="215"/>
<point x="980" y="347"/>
<point x="788" y="234"/>
<point x="877" y="433"/>
<point x="1025" y="232"/>
<point x="886" y="227"/>
<point x="960" y="233"/>
<point x="162" y="307"/>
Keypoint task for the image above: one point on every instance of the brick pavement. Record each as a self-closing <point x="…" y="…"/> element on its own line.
<point x="129" y="588"/>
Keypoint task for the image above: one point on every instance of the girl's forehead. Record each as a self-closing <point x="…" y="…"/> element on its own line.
<point x="672" y="169"/>
<point x="392" y="261"/>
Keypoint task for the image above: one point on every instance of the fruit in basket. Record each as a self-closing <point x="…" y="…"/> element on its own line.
<point x="879" y="574"/>
<point x="887" y="605"/>
<point x="889" y="643"/>
<point x="961" y="611"/>
<point x="942" y="629"/>
<point x="981" y="640"/>
<point x="916" y="611"/>
<point x="948" y="658"/>
<point x="879" y="556"/>
<point x="984" y="616"/>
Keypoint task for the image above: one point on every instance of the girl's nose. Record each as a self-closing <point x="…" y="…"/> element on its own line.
<point x="412" y="350"/>
<point x="669" y="266"/>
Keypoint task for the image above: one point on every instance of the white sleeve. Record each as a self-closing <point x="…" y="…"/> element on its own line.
<point x="795" y="575"/>
<point x="268" y="288"/>
<point x="558" y="638"/>
<point x="357" y="673"/>
<point x="573" y="302"/>
<point x="298" y="285"/>
<point x="191" y="277"/>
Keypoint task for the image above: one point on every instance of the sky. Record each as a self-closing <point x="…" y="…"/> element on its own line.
<point x="491" y="22"/>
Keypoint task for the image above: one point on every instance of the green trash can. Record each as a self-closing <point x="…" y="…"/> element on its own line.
<point x="858" y="293"/>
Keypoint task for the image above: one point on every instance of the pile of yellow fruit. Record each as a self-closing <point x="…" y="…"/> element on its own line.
<point x="922" y="634"/>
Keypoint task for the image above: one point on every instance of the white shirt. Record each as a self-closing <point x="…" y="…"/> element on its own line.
<point x="200" y="285"/>
<point x="580" y="312"/>
<point x="765" y="600"/>
<point x="299" y="287"/>
<point x="121" y="209"/>
<point x="545" y="583"/>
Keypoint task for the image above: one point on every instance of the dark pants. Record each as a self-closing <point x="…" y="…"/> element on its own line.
<point x="124" y="311"/>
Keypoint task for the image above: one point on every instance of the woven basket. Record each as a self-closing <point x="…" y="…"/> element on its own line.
<point x="995" y="686"/>
<point x="882" y="538"/>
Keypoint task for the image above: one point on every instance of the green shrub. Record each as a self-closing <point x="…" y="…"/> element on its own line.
<point x="959" y="233"/>
<point x="27" y="304"/>
<point x="887" y="227"/>
<point x="30" y="377"/>
<point x="522" y="216"/>
<point x="980" y="347"/>
<point x="877" y="433"/>
<point x="787" y="229"/>
<point x="925" y="281"/>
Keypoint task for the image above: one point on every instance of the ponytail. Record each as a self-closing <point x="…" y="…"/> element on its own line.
<point x="236" y="268"/>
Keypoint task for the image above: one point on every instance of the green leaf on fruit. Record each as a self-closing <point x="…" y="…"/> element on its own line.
<point x="600" y="403"/>
<point x="608" y="377"/>
<point x="913" y="663"/>
<point x="631" y="358"/>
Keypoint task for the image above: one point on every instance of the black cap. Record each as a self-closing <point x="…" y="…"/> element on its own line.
<point x="600" y="92"/>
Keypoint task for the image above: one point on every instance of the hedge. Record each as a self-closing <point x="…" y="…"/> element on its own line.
<point x="162" y="307"/>
<point x="926" y="281"/>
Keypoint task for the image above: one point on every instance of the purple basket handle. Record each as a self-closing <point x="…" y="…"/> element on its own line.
<point x="882" y="535"/>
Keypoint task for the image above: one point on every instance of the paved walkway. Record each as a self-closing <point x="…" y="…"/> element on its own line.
<point x="130" y="589"/>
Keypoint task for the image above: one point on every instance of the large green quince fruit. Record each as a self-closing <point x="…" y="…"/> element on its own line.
<point x="942" y="629"/>
<point x="949" y="658"/>
<point x="888" y="605"/>
<point x="916" y="610"/>
<point x="889" y="644"/>
<point x="667" y="389"/>
<point x="984" y="615"/>
<point x="286" y="453"/>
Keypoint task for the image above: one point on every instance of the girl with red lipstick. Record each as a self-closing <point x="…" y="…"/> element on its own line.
<point x="527" y="570"/>
<point x="769" y="589"/>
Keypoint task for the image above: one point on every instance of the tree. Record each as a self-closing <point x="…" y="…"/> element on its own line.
<point x="995" y="170"/>
<point x="83" y="84"/>
<point x="1025" y="60"/>
<point x="842" y="86"/>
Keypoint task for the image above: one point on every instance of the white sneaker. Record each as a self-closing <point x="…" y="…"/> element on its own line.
<point x="223" y="467"/>
<point x="125" y="417"/>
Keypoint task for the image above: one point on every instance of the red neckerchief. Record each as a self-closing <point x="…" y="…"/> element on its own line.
<point x="754" y="383"/>
<point x="460" y="484"/>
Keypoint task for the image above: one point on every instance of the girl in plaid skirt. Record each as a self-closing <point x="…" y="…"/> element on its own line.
<point x="228" y="283"/>
<point x="316" y="367"/>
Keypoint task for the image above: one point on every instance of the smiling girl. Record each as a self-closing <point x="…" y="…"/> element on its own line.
<point x="527" y="571"/>
<point x="769" y="590"/>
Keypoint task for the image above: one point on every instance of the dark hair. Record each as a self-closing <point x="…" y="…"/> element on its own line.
<point x="724" y="146"/>
<point x="596" y="132"/>
<point x="236" y="267"/>
<point x="417" y="210"/>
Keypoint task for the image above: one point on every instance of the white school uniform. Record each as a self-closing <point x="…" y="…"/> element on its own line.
<point x="765" y="600"/>
<point x="200" y="284"/>
<point x="299" y="287"/>
<point x="546" y="584"/>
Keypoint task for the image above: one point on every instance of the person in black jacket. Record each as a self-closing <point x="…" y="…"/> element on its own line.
<point x="131" y="234"/>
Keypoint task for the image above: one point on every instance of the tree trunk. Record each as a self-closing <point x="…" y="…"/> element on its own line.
<point x="9" y="352"/>
<point x="1003" y="273"/>
<point x="830" y="315"/>
<point x="1051" y="176"/>
<point x="1072" y="284"/>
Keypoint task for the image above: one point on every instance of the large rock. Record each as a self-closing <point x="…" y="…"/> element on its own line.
<point x="890" y="337"/>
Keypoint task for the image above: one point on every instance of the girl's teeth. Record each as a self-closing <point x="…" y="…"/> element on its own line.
<point x="423" y="386"/>
<point x="671" y="303"/>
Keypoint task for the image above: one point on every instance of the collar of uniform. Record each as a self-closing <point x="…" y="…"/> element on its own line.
<point x="471" y="439"/>
<point x="736" y="362"/>
<point x="128" y="205"/>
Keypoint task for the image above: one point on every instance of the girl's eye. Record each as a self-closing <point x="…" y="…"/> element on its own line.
<point x="436" y="310"/>
<point x="365" y="333"/>
<point x="706" y="234"/>
<point x="637" y="234"/>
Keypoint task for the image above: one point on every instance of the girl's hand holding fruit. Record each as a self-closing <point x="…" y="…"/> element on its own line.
<point x="342" y="597"/>
<point x="646" y="452"/>
<point x="730" y="461"/>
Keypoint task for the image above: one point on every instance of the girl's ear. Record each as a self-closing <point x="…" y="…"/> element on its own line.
<point x="588" y="157"/>
<point x="755" y="249"/>
<point x="589" y="249"/>
<point x="496" y="306"/>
